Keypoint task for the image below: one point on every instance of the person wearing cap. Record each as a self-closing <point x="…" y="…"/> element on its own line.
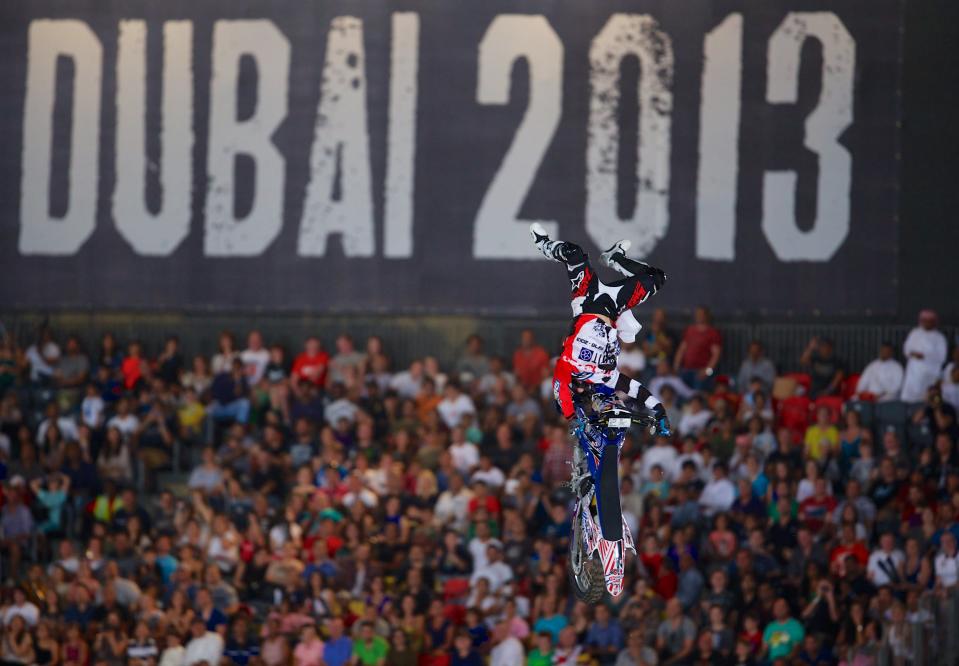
<point x="925" y="351"/>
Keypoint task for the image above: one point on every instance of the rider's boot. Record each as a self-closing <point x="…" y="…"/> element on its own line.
<point x="612" y="256"/>
<point x="551" y="249"/>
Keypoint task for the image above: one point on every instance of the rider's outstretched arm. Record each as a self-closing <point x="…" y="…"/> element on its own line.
<point x="635" y="389"/>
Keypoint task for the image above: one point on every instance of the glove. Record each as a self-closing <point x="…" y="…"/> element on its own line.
<point x="662" y="423"/>
<point x="662" y="427"/>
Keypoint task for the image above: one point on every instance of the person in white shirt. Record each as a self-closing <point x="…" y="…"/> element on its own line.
<point x="885" y="562"/>
<point x="508" y="651"/>
<point x="925" y="351"/>
<point x="719" y="494"/>
<point x="407" y="383"/>
<point x="255" y="358"/>
<point x="204" y="646"/>
<point x="950" y="380"/>
<point x="496" y="571"/>
<point x="454" y="405"/>
<point x="479" y="545"/>
<point x="174" y="653"/>
<point x="341" y="407"/>
<point x="22" y="607"/>
<point x="492" y="476"/>
<point x="452" y="506"/>
<point x="464" y="453"/>
<point x="947" y="562"/>
<point x="882" y="377"/>
<point x="632" y="361"/>
<point x="91" y="409"/>
<point x="124" y="420"/>
<point x="661" y="453"/>
<point x="66" y="424"/>
<point x="666" y="377"/>
<point x="695" y="417"/>
<point x="43" y="356"/>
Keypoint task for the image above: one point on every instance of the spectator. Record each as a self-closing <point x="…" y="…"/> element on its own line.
<point x="222" y="361"/>
<point x="338" y="648"/>
<point x="950" y="379"/>
<point x="530" y="361"/>
<point x="665" y="377"/>
<point x="311" y="366"/>
<point x="695" y="417"/>
<point x="719" y="494"/>
<point x="925" y="351"/>
<point x="309" y="649"/>
<point x="604" y="639"/>
<point x="700" y="350"/>
<point x="16" y="522"/>
<point x="42" y="358"/>
<point x="455" y="405"/>
<point x="170" y="361"/>
<point x="882" y="378"/>
<point x="204" y="646"/>
<point x="756" y="366"/>
<point x="474" y="363"/>
<point x="821" y="438"/>
<point x="346" y="367"/>
<point x="407" y="384"/>
<point x="784" y="635"/>
<point x="73" y="369"/>
<point x="636" y="653"/>
<point x="229" y="391"/>
<point x="675" y="635"/>
<point x="507" y="650"/>
<point x="370" y="649"/>
<point x="947" y="563"/>
<point x="661" y="454"/>
<point x="255" y="358"/>
<point x="886" y="562"/>
<point x="825" y="370"/>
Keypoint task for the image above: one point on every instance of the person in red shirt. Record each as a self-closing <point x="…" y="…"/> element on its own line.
<point x="483" y="500"/>
<point x="312" y="364"/>
<point x="848" y="547"/>
<point x="530" y="361"/>
<point x="816" y="509"/>
<point x="134" y="366"/>
<point x="699" y="351"/>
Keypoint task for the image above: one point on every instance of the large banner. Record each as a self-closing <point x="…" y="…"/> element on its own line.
<point x="365" y="155"/>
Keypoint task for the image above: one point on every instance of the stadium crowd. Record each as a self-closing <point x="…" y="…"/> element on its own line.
<point x="252" y="506"/>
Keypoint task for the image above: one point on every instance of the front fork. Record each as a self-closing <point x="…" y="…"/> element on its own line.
<point x="585" y="479"/>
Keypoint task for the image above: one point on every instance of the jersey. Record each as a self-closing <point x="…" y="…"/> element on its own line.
<point x="589" y="355"/>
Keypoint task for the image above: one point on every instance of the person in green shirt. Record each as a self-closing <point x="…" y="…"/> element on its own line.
<point x="370" y="649"/>
<point x="784" y="635"/>
<point x="542" y="654"/>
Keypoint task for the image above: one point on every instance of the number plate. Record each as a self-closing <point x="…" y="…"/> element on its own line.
<point x="619" y="422"/>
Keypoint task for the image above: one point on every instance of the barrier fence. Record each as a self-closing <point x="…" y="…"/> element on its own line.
<point x="409" y="337"/>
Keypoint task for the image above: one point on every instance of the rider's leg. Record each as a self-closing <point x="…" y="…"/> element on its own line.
<point x="619" y="262"/>
<point x="582" y="277"/>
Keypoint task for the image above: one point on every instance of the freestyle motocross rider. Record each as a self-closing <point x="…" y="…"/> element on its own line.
<point x="601" y="316"/>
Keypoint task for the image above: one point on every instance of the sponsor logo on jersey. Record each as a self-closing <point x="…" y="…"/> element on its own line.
<point x="585" y="354"/>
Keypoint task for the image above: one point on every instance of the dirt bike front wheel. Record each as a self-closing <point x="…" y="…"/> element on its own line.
<point x="585" y="569"/>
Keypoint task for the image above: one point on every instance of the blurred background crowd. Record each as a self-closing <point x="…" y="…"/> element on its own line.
<point x="252" y="504"/>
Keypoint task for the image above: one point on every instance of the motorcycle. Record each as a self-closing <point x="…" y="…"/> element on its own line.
<point x="600" y="539"/>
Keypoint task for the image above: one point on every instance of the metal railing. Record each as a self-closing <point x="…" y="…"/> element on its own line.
<point x="409" y="337"/>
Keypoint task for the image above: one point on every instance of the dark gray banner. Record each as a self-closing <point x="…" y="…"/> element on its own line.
<point x="389" y="156"/>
